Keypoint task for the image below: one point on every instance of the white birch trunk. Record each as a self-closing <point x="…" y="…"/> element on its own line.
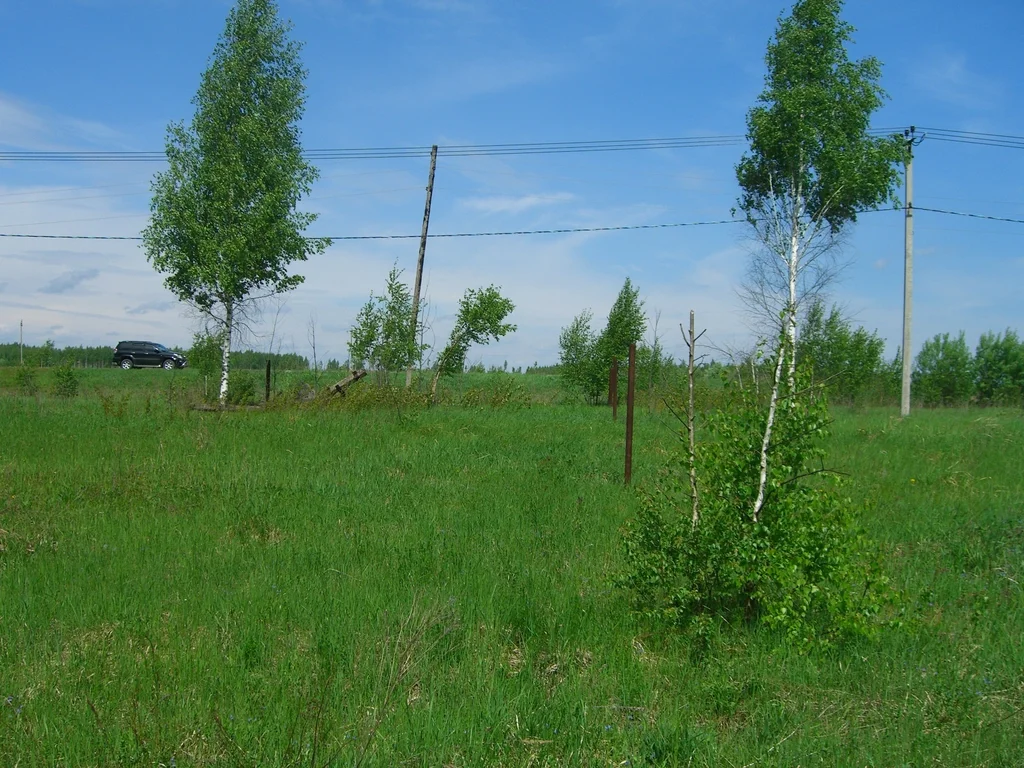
<point x="225" y="354"/>
<point x="793" y="264"/>
<point x="767" y="441"/>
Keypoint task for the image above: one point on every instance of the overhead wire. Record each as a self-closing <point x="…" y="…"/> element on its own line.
<point x="510" y="233"/>
<point x="432" y="235"/>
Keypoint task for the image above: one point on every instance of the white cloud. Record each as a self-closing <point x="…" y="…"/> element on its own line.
<point x="32" y="127"/>
<point x="947" y="78"/>
<point x="505" y="204"/>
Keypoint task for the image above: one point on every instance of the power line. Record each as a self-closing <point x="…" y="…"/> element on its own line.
<point x="1003" y="140"/>
<point x="970" y="215"/>
<point x="451" y="150"/>
<point x="510" y="233"/>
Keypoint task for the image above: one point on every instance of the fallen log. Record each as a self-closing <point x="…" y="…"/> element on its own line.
<point x="342" y="386"/>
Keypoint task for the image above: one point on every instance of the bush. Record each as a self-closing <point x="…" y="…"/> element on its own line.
<point x="242" y="389"/>
<point x="25" y="379"/>
<point x="205" y="355"/>
<point x="65" y="381"/>
<point x="500" y="391"/>
<point x="999" y="369"/>
<point x="944" y="371"/>
<point x="803" y="568"/>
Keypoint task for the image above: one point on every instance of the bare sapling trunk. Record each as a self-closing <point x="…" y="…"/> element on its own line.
<point x="225" y="353"/>
<point x="691" y="343"/>
<point x="766" y="442"/>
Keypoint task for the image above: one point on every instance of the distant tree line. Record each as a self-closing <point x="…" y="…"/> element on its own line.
<point x="48" y="355"/>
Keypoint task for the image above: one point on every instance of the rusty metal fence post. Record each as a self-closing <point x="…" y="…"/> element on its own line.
<point x="630" y="391"/>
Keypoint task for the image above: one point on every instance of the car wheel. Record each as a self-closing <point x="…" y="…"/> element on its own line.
<point x="127" y="363"/>
<point x="168" y="365"/>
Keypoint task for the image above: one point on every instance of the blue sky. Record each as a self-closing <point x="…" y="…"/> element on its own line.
<point x="110" y="75"/>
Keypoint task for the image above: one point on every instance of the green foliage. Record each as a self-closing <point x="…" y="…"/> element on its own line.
<point x="802" y="569"/>
<point x="849" y="362"/>
<point x="626" y="325"/>
<point x="999" y="369"/>
<point x="481" y="318"/>
<point x="578" y="364"/>
<point x="25" y="380"/>
<point x="254" y="360"/>
<point x="500" y="390"/>
<point x="47" y="354"/>
<point x="808" y="135"/>
<point x="653" y="367"/>
<point x="585" y="358"/>
<point x="205" y="354"/>
<point x="65" y="381"/>
<point x="224" y="224"/>
<point x="944" y="371"/>
<point x="244" y="389"/>
<point x="382" y="339"/>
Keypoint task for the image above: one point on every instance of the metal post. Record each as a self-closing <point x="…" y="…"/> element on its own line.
<point x="630" y="389"/>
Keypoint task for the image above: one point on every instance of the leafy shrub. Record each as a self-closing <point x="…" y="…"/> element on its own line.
<point x="999" y="369"/>
<point x="25" y="379"/>
<point x="205" y="354"/>
<point x="242" y="389"/>
<point x="944" y="371"/>
<point x="803" y="568"/>
<point x="501" y="391"/>
<point x="585" y="358"/>
<point x="849" y="360"/>
<point x="65" y="381"/>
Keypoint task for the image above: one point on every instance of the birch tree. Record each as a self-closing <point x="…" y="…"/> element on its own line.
<point x="224" y="224"/>
<point x="481" y="318"/>
<point x="812" y="166"/>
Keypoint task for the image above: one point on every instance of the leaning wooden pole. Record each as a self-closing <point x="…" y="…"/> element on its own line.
<point x="419" y="262"/>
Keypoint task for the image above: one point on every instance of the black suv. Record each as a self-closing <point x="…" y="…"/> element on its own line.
<point x="136" y="354"/>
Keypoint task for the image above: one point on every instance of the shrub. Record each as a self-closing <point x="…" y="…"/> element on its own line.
<point x="999" y="369"/>
<point x="803" y="568"/>
<point x="944" y="371"/>
<point x="65" y="381"/>
<point x="242" y="389"/>
<point x="25" y="379"/>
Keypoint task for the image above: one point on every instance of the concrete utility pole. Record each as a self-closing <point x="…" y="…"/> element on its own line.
<point x="423" y="252"/>
<point x="908" y="274"/>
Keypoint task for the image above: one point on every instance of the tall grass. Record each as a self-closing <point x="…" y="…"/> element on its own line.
<point x="432" y="587"/>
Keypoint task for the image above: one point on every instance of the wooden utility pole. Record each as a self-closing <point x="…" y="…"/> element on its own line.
<point x="419" y="263"/>
<point x="630" y="390"/>
<point x="908" y="275"/>
<point x="21" y="341"/>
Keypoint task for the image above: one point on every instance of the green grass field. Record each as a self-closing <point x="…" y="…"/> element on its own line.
<point x="309" y="587"/>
